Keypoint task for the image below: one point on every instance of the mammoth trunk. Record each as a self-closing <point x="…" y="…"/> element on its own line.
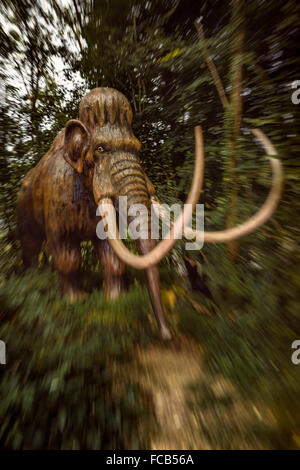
<point x="153" y="282"/>
<point x="131" y="183"/>
<point x="129" y="180"/>
<point x="132" y="199"/>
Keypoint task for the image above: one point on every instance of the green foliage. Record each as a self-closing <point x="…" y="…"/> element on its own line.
<point x="248" y="338"/>
<point x="62" y="386"/>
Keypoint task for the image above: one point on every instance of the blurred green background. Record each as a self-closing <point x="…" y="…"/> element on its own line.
<point x="65" y="384"/>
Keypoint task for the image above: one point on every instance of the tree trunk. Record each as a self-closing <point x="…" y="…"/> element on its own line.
<point x="235" y="115"/>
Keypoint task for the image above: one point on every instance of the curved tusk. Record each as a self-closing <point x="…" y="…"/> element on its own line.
<point x="155" y="255"/>
<point x="255" y="221"/>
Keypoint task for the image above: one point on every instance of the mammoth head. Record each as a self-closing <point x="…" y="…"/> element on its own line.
<point x="101" y="138"/>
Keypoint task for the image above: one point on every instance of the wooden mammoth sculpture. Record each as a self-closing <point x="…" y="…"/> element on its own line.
<point x="92" y="162"/>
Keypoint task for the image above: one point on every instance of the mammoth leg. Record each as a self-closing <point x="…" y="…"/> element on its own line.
<point x="113" y="269"/>
<point x="153" y="281"/>
<point x="31" y="237"/>
<point x="31" y="246"/>
<point x="66" y="256"/>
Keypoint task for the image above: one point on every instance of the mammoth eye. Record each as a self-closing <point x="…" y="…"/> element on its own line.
<point x="100" y="148"/>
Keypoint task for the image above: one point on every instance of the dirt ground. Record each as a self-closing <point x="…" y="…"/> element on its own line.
<point x="167" y="373"/>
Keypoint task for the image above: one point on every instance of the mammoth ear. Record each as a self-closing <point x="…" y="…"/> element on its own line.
<point x="77" y="141"/>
